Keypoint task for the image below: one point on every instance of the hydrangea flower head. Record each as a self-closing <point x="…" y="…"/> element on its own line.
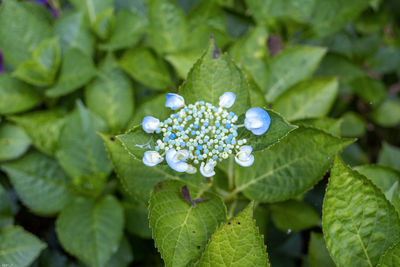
<point x="200" y="135"/>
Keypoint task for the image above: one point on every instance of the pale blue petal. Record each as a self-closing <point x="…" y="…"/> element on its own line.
<point x="257" y="116"/>
<point x="227" y="100"/>
<point x="174" y="101"/>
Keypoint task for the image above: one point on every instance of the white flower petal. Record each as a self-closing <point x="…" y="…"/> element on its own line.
<point x="227" y="100"/>
<point x="150" y="124"/>
<point x="176" y="160"/>
<point x="174" y="101"/>
<point x="244" y="157"/>
<point x="191" y="169"/>
<point x="207" y="169"/>
<point x="152" y="158"/>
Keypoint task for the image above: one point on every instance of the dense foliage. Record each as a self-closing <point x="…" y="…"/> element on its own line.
<point x="78" y="76"/>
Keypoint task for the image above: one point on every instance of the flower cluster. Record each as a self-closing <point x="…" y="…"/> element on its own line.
<point x="201" y="133"/>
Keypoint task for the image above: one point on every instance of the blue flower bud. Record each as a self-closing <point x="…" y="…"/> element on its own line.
<point x="174" y="101"/>
<point x="227" y="100"/>
<point x="257" y="121"/>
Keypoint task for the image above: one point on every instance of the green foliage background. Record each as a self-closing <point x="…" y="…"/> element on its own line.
<point x="323" y="191"/>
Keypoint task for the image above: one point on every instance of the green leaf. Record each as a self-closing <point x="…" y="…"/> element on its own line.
<point x="256" y="94"/>
<point x="331" y="15"/>
<point x="359" y="223"/>
<point x="200" y="36"/>
<point x="251" y="54"/>
<point x="81" y="151"/>
<point x="341" y="67"/>
<point x="147" y="68"/>
<point x="391" y="257"/>
<point x="91" y="229"/>
<point x="387" y="114"/>
<point x="207" y="13"/>
<point x="43" y="128"/>
<point x="291" y="66"/>
<point x="6" y="214"/>
<point x="290" y="167"/>
<point x="181" y="230"/>
<point x="74" y="32"/>
<point x="389" y="156"/>
<point x="19" y="37"/>
<point x="278" y="129"/>
<point x="236" y="243"/>
<point x="16" y="96"/>
<point x="370" y="90"/>
<point x="154" y="106"/>
<point x="328" y="125"/>
<point x="183" y="61"/>
<point x="54" y="257"/>
<point x="110" y="95"/>
<point x="385" y="60"/>
<point x="211" y="76"/>
<point x="123" y="257"/>
<point x="294" y="215"/>
<point x="354" y="155"/>
<point x="130" y="26"/>
<point x="41" y="70"/>
<point x="350" y="45"/>
<point x="167" y="26"/>
<point x="40" y="183"/>
<point x="205" y="19"/>
<point x="136" y="217"/>
<point x="13" y="141"/>
<point x="353" y="125"/>
<point x="18" y="247"/>
<point x="92" y="8"/>
<point x="311" y="98"/>
<point x="104" y="24"/>
<point x="300" y="11"/>
<point x="77" y="69"/>
<point x="386" y="179"/>
<point x="133" y="139"/>
<point x="318" y="254"/>
<point x="137" y="178"/>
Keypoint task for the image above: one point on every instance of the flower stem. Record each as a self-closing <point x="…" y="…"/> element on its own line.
<point x="205" y="188"/>
<point x="231" y="195"/>
<point x="231" y="174"/>
<point x="232" y="208"/>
